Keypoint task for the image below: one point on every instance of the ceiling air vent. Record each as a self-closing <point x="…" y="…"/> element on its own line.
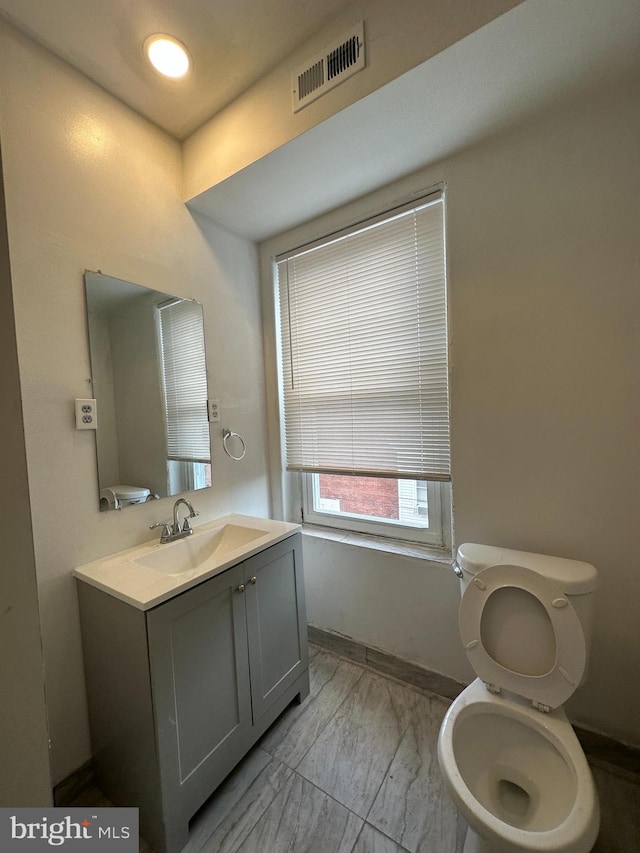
<point x="328" y="69"/>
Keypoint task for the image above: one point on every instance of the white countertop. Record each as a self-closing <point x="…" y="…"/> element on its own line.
<point x="124" y="576"/>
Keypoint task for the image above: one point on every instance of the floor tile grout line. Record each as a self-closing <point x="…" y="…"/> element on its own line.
<point x="355" y="843"/>
<point x="311" y="700"/>
<point x="312" y="744"/>
<point x="398" y="844"/>
<point x="365" y="824"/>
<point x="384" y="777"/>
<point x="423" y="693"/>
<point x="335" y="800"/>
<point x="202" y="847"/>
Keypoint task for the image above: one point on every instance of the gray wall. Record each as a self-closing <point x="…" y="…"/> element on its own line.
<point x="24" y="769"/>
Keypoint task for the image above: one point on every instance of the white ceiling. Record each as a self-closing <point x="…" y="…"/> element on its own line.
<point x="232" y="43"/>
<point x="537" y="54"/>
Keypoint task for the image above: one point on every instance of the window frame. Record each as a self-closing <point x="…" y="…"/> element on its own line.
<point x="434" y="535"/>
<point x="296" y="485"/>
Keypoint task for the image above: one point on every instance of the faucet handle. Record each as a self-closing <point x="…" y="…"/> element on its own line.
<point x="165" y="525"/>
<point x="186" y="526"/>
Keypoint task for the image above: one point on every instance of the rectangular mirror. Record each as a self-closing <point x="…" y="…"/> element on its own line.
<point x="148" y="370"/>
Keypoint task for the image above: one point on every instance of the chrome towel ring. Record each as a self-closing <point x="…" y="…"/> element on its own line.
<point x="227" y="434"/>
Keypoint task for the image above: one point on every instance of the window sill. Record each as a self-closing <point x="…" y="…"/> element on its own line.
<point x="380" y="543"/>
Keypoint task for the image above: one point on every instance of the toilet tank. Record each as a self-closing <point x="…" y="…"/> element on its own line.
<point x="577" y="580"/>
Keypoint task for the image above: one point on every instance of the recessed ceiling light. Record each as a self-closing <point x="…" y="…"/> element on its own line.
<point x="167" y="55"/>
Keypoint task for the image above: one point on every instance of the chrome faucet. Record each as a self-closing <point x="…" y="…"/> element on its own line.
<point x="171" y="532"/>
<point x="186" y="526"/>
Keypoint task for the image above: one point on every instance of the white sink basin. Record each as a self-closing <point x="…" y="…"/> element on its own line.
<point x="149" y="574"/>
<point x="191" y="552"/>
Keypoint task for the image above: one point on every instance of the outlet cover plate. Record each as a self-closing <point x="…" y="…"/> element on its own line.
<point x="86" y="414"/>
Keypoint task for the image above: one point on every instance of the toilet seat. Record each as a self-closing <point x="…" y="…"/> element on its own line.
<point x="551" y="689"/>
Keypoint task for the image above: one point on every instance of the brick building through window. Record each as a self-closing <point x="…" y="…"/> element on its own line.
<point x="371" y="496"/>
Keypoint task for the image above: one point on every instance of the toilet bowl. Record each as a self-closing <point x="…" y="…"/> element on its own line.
<point x="508" y="754"/>
<point x="518" y="776"/>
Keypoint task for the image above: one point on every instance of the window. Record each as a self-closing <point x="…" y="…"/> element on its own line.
<point x="364" y="378"/>
<point x="184" y="383"/>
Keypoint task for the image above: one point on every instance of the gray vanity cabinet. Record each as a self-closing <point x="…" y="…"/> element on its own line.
<point x="180" y="692"/>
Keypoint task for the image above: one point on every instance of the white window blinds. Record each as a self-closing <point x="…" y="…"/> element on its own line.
<point x="363" y="326"/>
<point x="184" y="377"/>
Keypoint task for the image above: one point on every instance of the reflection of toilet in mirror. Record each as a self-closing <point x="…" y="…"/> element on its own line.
<point x="116" y="497"/>
<point x="507" y="751"/>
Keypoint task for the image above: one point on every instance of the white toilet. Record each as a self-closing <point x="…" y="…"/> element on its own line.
<point x="507" y="751"/>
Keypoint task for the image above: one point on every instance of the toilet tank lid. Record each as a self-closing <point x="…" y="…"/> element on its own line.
<point x="130" y="493"/>
<point x="572" y="576"/>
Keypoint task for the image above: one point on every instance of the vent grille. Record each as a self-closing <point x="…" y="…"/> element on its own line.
<point x="343" y="57"/>
<point x="329" y="68"/>
<point x="311" y="79"/>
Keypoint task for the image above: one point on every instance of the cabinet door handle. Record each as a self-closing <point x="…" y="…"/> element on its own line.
<point x="241" y="588"/>
<point x="253" y="580"/>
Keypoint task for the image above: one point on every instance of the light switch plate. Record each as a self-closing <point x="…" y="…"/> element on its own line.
<point x="86" y="414"/>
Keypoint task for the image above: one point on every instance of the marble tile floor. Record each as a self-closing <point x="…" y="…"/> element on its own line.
<point x="354" y="770"/>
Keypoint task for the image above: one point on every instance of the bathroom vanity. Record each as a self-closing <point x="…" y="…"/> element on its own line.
<point x="192" y="649"/>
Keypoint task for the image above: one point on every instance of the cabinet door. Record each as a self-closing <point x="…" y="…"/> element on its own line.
<point x="200" y="682"/>
<point x="276" y="621"/>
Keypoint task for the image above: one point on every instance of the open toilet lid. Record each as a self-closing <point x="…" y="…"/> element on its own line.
<point x="552" y="688"/>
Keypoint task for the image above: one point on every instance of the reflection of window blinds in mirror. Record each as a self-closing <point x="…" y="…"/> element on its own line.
<point x="184" y="378"/>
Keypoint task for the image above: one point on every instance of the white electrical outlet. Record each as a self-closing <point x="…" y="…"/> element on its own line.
<point x="86" y="414"/>
<point x="213" y="407"/>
